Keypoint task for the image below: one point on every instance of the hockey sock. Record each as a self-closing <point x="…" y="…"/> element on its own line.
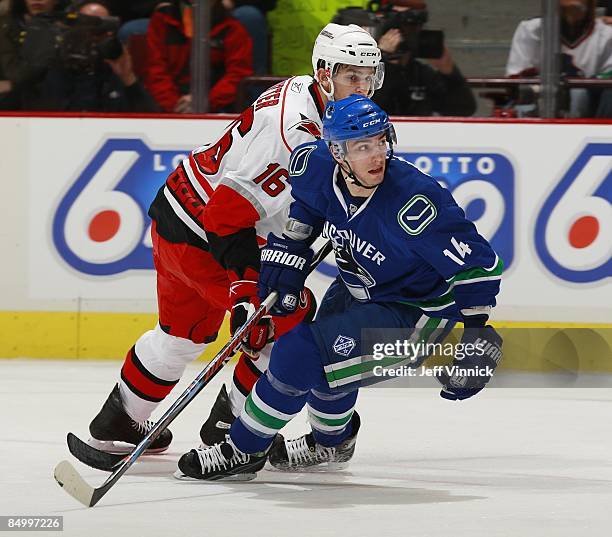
<point x="152" y="368"/>
<point x="295" y="368"/>
<point x="246" y="373"/>
<point x="330" y="415"/>
<point x="268" y="408"/>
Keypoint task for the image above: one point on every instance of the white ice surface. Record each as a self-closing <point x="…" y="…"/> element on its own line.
<point x="510" y="462"/>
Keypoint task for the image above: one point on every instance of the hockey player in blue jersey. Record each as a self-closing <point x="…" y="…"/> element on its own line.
<point x="408" y="259"/>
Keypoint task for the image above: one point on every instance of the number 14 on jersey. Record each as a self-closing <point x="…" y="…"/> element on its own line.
<point x="461" y="249"/>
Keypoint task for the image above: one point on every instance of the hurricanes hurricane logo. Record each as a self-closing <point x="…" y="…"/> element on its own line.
<point x="307" y="125"/>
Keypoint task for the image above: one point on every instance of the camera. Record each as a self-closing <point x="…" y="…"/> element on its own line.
<point x="87" y="40"/>
<point x="377" y="21"/>
<point x="71" y="40"/>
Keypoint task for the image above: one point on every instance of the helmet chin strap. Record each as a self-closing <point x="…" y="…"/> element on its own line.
<point x="352" y="178"/>
<point x="329" y="94"/>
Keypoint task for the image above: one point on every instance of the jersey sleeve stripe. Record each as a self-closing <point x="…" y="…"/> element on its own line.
<point x="282" y="115"/>
<point x="246" y="194"/>
<point x="196" y="176"/>
<point x="478" y="274"/>
<point x="179" y="192"/>
<point x="202" y="187"/>
<point x="191" y="222"/>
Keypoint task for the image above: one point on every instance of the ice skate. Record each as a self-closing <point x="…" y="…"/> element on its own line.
<point x="222" y="461"/>
<point x="219" y="421"/>
<point x="305" y="454"/>
<point x="114" y="431"/>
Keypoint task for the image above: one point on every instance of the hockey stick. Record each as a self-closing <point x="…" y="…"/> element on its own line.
<point x="67" y="476"/>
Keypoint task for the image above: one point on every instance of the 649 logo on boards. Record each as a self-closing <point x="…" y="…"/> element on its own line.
<point x="483" y="186"/>
<point x="101" y="225"/>
<point x="573" y="236"/>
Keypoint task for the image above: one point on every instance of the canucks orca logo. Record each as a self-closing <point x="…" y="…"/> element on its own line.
<point x="348" y="264"/>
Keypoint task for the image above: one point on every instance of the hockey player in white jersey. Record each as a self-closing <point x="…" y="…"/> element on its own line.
<point x="209" y="220"/>
<point x="586" y="49"/>
<point x="586" y="42"/>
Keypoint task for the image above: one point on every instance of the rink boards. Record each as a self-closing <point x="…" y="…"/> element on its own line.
<point x="80" y="281"/>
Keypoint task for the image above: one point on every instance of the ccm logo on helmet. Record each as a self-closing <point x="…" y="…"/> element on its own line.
<point x="370" y="123"/>
<point x="369" y="54"/>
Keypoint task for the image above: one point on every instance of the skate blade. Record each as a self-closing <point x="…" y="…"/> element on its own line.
<point x="315" y="469"/>
<point x="120" y="448"/>
<point x="237" y="477"/>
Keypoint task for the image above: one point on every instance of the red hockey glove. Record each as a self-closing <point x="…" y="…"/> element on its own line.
<point x="243" y="297"/>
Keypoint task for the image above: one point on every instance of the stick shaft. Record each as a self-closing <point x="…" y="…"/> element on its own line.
<point x="196" y="386"/>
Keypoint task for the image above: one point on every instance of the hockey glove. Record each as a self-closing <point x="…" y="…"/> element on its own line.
<point x="470" y="374"/>
<point x="243" y="296"/>
<point x="284" y="266"/>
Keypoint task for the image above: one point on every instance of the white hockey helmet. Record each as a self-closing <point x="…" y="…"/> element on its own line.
<point x="349" y="45"/>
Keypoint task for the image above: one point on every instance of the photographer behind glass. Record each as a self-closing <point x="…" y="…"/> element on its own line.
<point x="92" y="70"/>
<point x="21" y="75"/>
<point x="412" y="87"/>
<point x="69" y="59"/>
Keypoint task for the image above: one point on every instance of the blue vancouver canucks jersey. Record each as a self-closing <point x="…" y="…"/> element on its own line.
<point x="408" y="242"/>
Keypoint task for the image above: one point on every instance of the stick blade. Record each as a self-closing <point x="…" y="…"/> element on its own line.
<point x="71" y="481"/>
<point x="100" y="460"/>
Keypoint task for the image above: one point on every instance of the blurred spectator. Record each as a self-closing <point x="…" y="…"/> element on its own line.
<point x="252" y="15"/>
<point x="7" y="101"/>
<point x="95" y="71"/>
<point x="412" y="87"/>
<point x="134" y="15"/>
<point x="5" y="84"/>
<point x="606" y="7"/>
<point x="169" y="46"/>
<point x="26" y="49"/>
<point x="586" y="47"/>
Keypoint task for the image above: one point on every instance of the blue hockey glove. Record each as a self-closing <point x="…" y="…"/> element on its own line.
<point x="467" y="376"/>
<point x="284" y="266"/>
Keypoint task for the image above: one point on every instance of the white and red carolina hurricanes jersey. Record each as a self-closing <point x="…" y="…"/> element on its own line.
<point x="241" y="180"/>
<point x="591" y="55"/>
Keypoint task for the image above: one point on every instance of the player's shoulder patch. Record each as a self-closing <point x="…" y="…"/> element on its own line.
<point x="417" y="214"/>
<point x="310" y="167"/>
<point x="304" y="124"/>
<point x="299" y="159"/>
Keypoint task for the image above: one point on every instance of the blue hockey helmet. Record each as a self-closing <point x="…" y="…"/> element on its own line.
<point x="354" y="118"/>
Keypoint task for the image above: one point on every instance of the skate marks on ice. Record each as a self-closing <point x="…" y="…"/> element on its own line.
<point x="153" y="475"/>
<point x="336" y="491"/>
<point x="303" y="491"/>
<point x="508" y="473"/>
<point x="427" y="481"/>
